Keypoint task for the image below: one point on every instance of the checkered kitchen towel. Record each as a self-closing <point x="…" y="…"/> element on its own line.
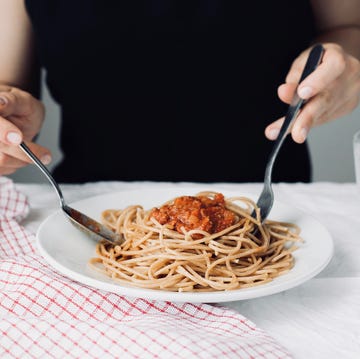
<point x="46" y="315"/>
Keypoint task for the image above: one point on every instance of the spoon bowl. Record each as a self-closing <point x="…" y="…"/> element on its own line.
<point x="86" y="224"/>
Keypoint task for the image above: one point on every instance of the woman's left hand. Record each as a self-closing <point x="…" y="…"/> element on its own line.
<point x="331" y="91"/>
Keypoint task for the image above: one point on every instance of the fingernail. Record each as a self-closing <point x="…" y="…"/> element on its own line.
<point x="305" y="92"/>
<point x="46" y="159"/>
<point x="3" y="101"/>
<point x="303" y="133"/>
<point x="14" y="138"/>
<point x="273" y="134"/>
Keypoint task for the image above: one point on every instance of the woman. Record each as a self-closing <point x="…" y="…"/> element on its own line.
<point x="174" y="90"/>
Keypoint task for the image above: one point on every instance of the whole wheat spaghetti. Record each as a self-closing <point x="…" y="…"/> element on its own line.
<point x="212" y="246"/>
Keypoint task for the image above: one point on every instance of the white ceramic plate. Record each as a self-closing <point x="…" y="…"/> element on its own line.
<point x="68" y="250"/>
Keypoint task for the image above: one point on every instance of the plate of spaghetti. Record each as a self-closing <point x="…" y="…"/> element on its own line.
<point x="188" y="245"/>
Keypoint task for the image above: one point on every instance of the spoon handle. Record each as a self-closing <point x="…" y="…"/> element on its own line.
<point x="44" y="170"/>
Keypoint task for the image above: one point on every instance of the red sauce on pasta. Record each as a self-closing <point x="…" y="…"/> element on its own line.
<point x="200" y="213"/>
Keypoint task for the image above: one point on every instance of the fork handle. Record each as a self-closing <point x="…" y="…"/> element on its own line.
<point x="312" y="63"/>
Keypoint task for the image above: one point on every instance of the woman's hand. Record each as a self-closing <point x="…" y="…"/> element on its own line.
<point x="331" y="91"/>
<point x="21" y="117"/>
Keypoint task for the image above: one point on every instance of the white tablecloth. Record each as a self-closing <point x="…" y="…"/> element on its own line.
<point x="318" y="319"/>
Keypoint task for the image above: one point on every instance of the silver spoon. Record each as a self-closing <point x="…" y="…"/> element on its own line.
<point x="266" y="199"/>
<point x="94" y="229"/>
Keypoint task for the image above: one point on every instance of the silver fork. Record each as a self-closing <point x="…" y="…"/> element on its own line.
<point x="266" y="199"/>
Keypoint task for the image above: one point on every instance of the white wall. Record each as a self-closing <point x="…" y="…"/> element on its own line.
<point x="332" y="151"/>
<point x="330" y="146"/>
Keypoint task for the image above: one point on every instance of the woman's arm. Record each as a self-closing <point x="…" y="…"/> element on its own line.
<point x="338" y="21"/>
<point x="21" y="114"/>
<point x="18" y="66"/>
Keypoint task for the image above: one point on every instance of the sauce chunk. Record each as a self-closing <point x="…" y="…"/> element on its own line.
<point x="200" y="213"/>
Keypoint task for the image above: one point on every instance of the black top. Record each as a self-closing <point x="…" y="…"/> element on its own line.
<point x="171" y="90"/>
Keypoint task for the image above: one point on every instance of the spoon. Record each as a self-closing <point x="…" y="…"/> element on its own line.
<point x="94" y="229"/>
<point x="266" y="199"/>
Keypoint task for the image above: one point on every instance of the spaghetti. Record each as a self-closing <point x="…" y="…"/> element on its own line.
<point x="160" y="253"/>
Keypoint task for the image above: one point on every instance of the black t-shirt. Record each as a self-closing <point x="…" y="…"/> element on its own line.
<point x="171" y="90"/>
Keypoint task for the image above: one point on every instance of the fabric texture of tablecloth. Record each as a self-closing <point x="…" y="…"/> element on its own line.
<point x="44" y="314"/>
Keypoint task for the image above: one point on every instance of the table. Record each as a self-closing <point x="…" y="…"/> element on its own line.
<point x="318" y="319"/>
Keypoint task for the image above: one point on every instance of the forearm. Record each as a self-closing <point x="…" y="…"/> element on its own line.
<point x="346" y="36"/>
<point x="18" y="65"/>
<point x="338" y="21"/>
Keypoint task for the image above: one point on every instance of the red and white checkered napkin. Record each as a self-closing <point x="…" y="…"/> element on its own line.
<point x="44" y="314"/>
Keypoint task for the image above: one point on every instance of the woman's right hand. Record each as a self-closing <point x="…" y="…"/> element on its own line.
<point x="21" y="118"/>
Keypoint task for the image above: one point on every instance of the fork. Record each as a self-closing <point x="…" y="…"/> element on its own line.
<point x="266" y="199"/>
